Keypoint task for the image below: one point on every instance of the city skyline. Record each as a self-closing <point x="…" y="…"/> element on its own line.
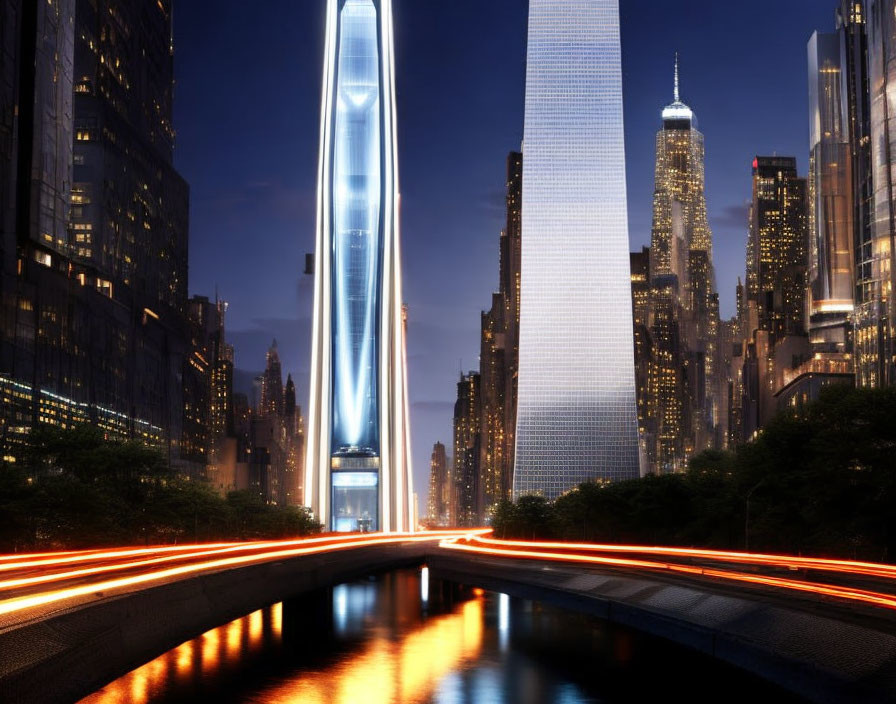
<point x="265" y="196"/>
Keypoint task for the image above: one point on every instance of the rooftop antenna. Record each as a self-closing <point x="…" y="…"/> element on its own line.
<point x="676" y="77"/>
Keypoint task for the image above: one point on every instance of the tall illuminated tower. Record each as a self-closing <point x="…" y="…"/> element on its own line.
<point x="358" y="474"/>
<point x="576" y="414"/>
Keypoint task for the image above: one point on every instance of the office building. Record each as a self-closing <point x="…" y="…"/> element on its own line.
<point x="576" y="413"/>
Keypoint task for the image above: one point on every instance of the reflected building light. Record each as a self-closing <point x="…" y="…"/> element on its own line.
<point x="340" y="609"/>
<point x="211" y="643"/>
<point x="418" y="667"/>
<point x="191" y="660"/>
<point x="256" y="628"/>
<point x="277" y="619"/>
<point x="424" y="585"/>
<point x="503" y="620"/>
<point x="234" y="639"/>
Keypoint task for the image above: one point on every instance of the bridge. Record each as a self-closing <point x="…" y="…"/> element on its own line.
<point x="823" y="629"/>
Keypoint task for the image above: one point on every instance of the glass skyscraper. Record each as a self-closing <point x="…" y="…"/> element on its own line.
<point x="576" y="416"/>
<point x="358" y="470"/>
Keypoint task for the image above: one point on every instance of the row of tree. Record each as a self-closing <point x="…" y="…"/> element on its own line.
<point x="75" y="489"/>
<point x="820" y="481"/>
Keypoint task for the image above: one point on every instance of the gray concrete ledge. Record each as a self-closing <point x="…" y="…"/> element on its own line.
<point x="819" y="651"/>
<point x="70" y="653"/>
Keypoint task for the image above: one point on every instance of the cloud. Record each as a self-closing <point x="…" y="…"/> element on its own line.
<point x="732" y="216"/>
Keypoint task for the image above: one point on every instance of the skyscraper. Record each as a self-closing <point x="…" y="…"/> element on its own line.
<point x="878" y="350"/>
<point x="830" y="206"/>
<point x="684" y="379"/>
<point x="93" y="225"/>
<point x="272" y="384"/>
<point x="576" y="415"/>
<point x="776" y="250"/>
<point x="852" y="23"/>
<point x="773" y="311"/>
<point x="466" y="507"/>
<point x="357" y="469"/>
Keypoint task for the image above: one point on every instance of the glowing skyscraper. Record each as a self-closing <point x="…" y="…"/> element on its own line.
<point x="576" y="414"/>
<point x="357" y="469"/>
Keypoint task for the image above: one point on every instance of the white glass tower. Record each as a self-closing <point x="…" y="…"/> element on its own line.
<point x="357" y="470"/>
<point x="576" y="418"/>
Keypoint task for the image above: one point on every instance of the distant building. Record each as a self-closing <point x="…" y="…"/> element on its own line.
<point x="772" y="319"/>
<point x="272" y="384"/>
<point x="776" y="250"/>
<point x="683" y="386"/>
<point x="639" y="264"/>
<point x="439" y="487"/>
<point x="576" y="409"/>
<point x="465" y="507"/>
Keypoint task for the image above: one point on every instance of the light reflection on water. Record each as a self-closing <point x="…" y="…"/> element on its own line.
<point x="400" y="638"/>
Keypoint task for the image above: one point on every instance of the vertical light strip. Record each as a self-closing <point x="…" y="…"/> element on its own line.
<point x="317" y="453"/>
<point x="387" y="339"/>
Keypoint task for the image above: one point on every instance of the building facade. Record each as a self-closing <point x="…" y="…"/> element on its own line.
<point x="683" y="389"/>
<point x="357" y="467"/>
<point x="467" y="474"/>
<point x="877" y="344"/>
<point x="94" y="222"/>
<point x="439" y="487"/>
<point x="576" y="412"/>
<point x="830" y="201"/>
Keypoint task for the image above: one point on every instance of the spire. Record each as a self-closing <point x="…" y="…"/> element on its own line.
<point x="676" y="77"/>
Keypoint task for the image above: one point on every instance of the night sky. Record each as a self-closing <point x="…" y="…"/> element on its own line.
<point x="247" y="110"/>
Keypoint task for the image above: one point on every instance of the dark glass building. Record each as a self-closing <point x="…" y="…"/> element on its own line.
<point x="94" y="222"/>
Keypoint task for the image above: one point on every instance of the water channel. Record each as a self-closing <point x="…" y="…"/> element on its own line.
<point x="399" y="637"/>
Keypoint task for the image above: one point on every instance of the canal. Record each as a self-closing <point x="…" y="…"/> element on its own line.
<point x="400" y="637"/>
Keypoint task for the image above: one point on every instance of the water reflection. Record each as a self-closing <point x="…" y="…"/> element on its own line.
<point x="189" y="664"/>
<point x="403" y="638"/>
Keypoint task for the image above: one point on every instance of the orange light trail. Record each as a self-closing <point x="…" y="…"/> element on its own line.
<point x="193" y="551"/>
<point x="848" y="593"/>
<point x="871" y="569"/>
<point x="264" y="552"/>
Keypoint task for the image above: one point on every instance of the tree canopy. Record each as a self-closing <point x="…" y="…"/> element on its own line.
<point x="76" y="489"/>
<point x="820" y="481"/>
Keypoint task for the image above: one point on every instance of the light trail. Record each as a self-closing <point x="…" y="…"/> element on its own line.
<point x="263" y="552"/>
<point x="47" y="559"/>
<point x="848" y="593"/>
<point x="194" y="552"/>
<point x="852" y="567"/>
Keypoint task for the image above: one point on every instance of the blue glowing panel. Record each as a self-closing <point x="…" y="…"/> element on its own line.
<point x="357" y="246"/>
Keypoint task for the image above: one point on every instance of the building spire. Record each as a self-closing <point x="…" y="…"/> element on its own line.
<point x="676" y="77"/>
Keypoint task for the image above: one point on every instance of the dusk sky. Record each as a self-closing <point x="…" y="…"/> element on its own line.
<point x="247" y="111"/>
